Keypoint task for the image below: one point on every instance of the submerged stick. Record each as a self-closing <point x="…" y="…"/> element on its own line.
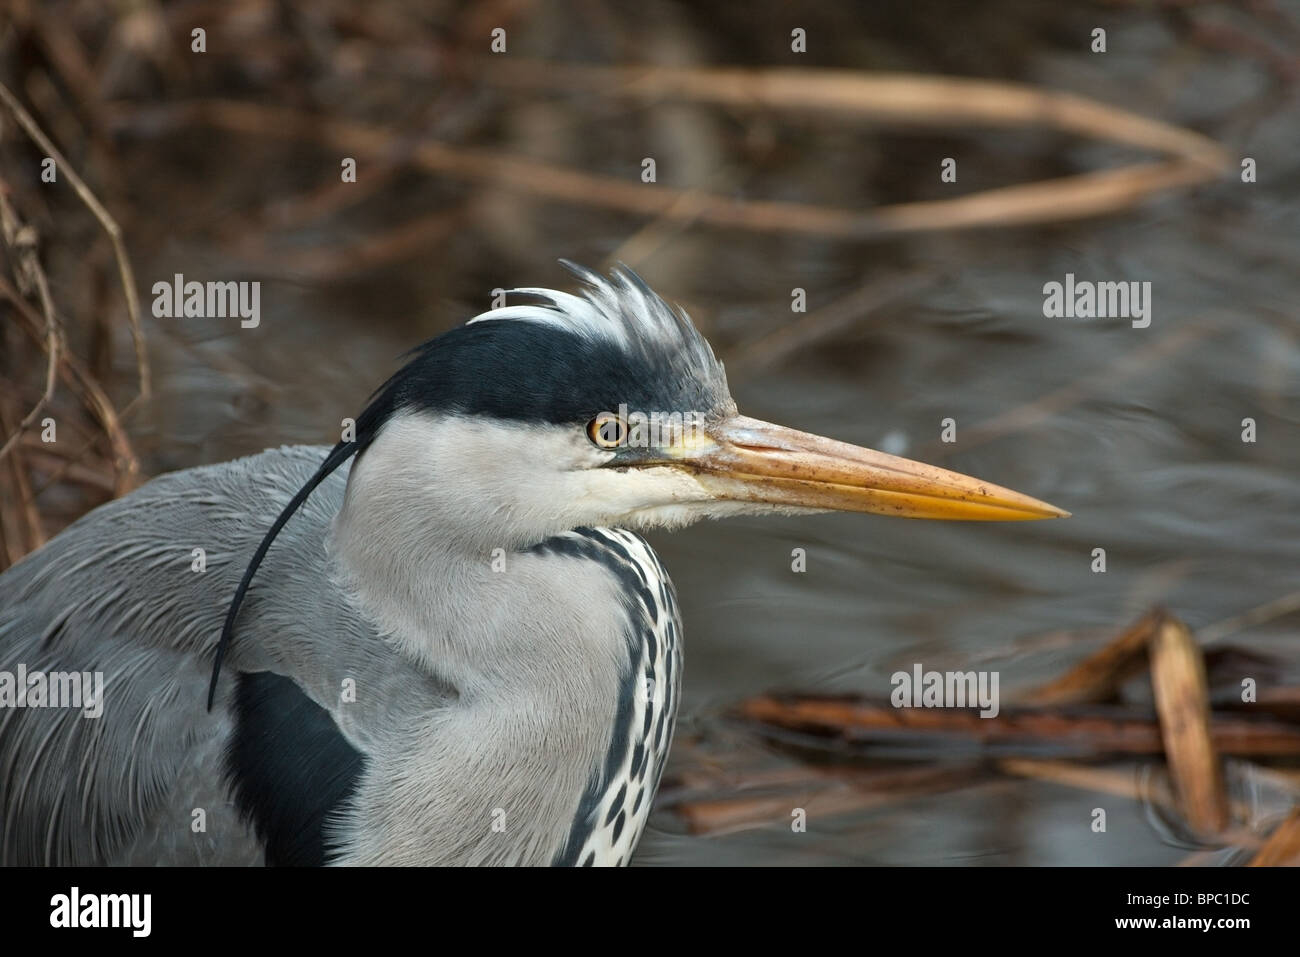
<point x="854" y="725"/>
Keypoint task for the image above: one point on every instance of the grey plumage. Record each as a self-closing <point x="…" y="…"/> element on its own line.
<point x="123" y="788"/>
<point x="493" y="706"/>
<point x="457" y="651"/>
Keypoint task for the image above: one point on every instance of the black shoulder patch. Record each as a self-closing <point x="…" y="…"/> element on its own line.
<point x="289" y="767"/>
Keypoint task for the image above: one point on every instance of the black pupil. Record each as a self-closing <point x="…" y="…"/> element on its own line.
<point x="610" y="431"/>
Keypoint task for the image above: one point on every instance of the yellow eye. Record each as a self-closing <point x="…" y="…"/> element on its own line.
<point x="607" y="431"/>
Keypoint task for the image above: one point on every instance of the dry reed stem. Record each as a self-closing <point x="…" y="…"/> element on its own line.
<point x="902" y="98"/>
<point x="1086" y="194"/>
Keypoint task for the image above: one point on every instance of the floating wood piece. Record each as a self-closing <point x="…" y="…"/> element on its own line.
<point x="1282" y="849"/>
<point x="1119" y="782"/>
<point x="1183" y="704"/>
<point x="1099" y="676"/>
<point x="847" y="724"/>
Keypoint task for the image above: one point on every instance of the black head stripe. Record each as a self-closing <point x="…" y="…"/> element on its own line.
<point x="561" y="359"/>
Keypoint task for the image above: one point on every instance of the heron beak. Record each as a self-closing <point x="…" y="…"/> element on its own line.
<point x="749" y="460"/>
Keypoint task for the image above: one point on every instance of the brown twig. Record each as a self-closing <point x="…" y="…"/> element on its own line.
<point x="1282" y="849"/>
<point x="1098" y="677"/>
<point x="75" y="374"/>
<point x="21" y="241"/>
<point x="854" y="725"/>
<point x="1183" y="703"/>
<point x="109" y="224"/>
<point x="70" y="466"/>
<point x="907" y="98"/>
<point x="1087" y="194"/>
<point x="1269" y="610"/>
<point x="1116" y="782"/>
<point x="819" y="794"/>
<point x="26" y="501"/>
<point x="1113" y="781"/>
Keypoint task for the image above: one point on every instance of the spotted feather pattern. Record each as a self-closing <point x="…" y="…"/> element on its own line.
<point x="612" y="815"/>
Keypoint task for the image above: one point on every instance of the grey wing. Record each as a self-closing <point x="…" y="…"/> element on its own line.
<point x="136" y="592"/>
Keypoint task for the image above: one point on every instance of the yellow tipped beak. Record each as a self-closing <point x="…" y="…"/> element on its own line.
<point x="752" y="461"/>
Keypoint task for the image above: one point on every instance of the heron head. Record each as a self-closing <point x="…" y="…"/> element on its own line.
<point x="610" y="409"/>
<point x="602" y="409"/>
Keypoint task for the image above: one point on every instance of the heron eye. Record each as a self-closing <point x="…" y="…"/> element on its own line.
<point x="607" y="431"/>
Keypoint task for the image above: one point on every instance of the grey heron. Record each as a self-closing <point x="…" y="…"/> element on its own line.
<point x="457" y="647"/>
